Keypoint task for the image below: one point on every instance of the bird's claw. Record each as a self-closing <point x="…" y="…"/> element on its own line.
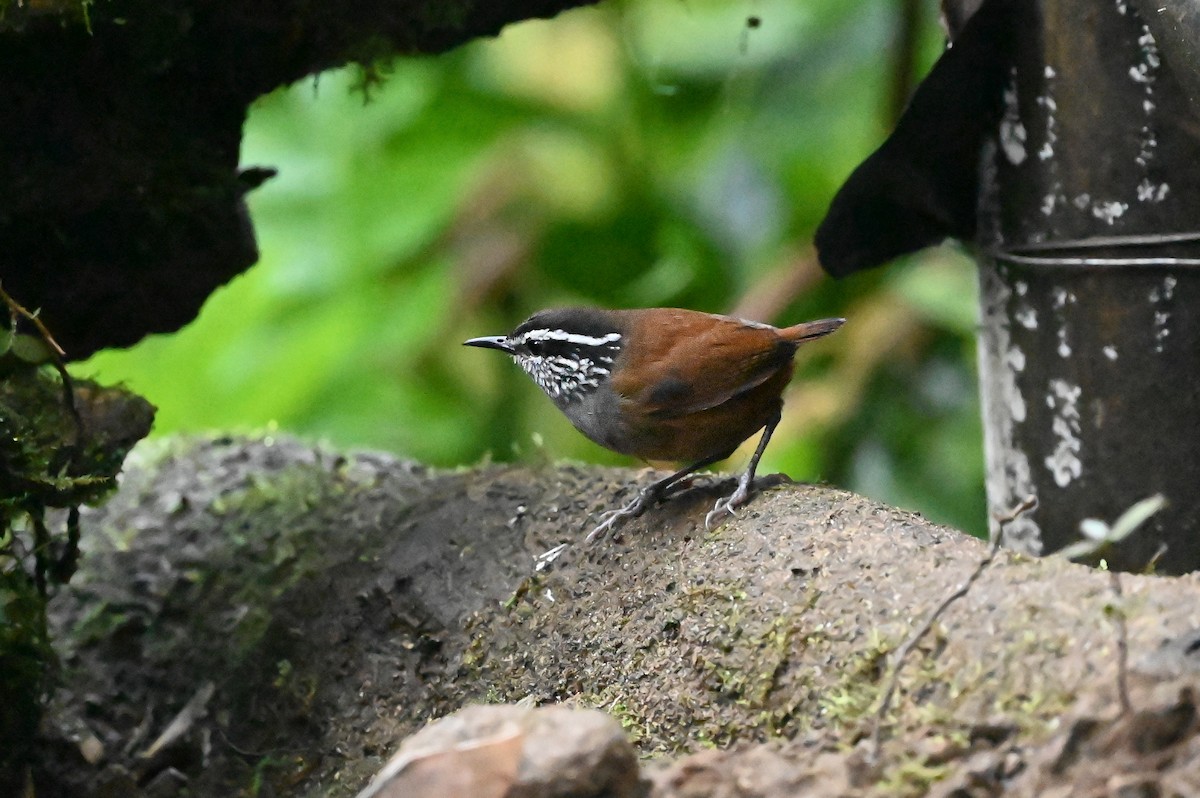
<point x="717" y="513"/>
<point x="610" y="518"/>
<point x="728" y="506"/>
<point x="608" y="521"/>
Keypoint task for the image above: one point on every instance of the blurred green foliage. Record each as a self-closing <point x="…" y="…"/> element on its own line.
<point x="653" y="152"/>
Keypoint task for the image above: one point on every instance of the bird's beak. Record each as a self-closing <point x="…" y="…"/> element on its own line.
<point x="491" y="342"/>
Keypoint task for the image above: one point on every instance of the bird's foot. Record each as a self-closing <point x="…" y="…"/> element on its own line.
<point x="730" y="505"/>
<point x="610" y="518"/>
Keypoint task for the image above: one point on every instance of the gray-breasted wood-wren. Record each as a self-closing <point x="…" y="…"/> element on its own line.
<point x="662" y="384"/>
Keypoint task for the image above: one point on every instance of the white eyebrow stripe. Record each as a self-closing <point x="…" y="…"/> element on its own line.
<point x="570" y="338"/>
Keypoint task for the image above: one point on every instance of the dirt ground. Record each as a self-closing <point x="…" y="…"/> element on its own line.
<point x="263" y="617"/>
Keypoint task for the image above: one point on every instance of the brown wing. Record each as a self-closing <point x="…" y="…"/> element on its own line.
<point x="687" y="361"/>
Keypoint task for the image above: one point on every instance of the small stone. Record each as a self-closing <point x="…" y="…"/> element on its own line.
<point x="91" y="749"/>
<point x="513" y="752"/>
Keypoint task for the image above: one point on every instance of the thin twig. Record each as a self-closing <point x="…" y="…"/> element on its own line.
<point x="72" y="408"/>
<point x="17" y="309"/>
<point x="1013" y="514"/>
<point x="1114" y="579"/>
<point x="915" y="638"/>
<point x="194" y="710"/>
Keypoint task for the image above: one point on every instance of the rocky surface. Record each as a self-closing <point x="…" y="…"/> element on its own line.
<point x="274" y="618"/>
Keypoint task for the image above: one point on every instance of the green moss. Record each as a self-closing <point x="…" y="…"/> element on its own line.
<point x="630" y="721"/>
<point x="273" y="544"/>
<point x="912" y="777"/>
<point x="55" y="452"/>
<point x="51" y="459"/>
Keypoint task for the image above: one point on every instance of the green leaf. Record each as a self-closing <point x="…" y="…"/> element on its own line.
<point x="1135" y="516"/>
<point x="1100" y="535"/>
<point x="31" y="349"/>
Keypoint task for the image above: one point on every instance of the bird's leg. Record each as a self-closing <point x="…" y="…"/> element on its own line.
<point x="741" y="494"/>
<point x="646" y="496"/>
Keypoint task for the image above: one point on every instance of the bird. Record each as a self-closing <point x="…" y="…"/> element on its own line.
<point x="662" y="384"/>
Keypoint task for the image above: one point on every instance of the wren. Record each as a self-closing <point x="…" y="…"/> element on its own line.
<point x="662" y="384"/>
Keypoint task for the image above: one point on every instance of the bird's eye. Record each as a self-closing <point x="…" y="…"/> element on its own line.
<point x="535" y="347"/>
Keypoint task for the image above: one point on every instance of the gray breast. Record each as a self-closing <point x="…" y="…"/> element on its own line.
<point x="597" y="415"/>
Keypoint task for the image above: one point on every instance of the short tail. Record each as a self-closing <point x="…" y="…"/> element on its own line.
<point x="811" y="329"/>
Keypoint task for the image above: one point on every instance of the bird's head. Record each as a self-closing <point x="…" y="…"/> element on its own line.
<point x="568" y="352"/>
